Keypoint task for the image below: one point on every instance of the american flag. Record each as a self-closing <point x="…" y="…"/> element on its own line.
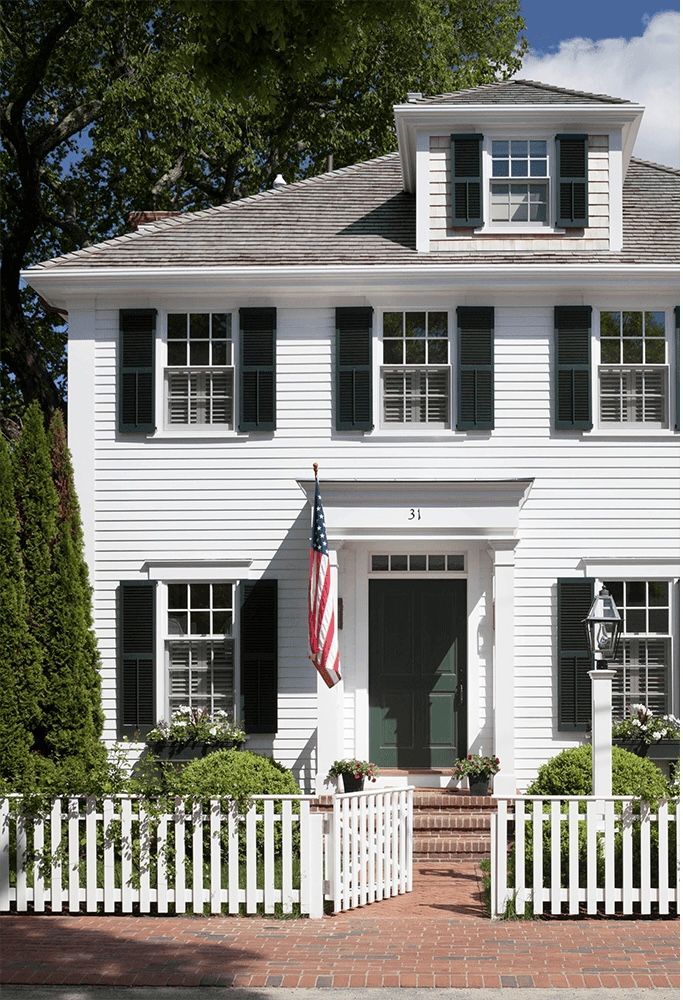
<point x="322" y="622"/>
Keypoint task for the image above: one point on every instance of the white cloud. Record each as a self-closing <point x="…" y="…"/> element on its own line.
<point x="644" y="69"/>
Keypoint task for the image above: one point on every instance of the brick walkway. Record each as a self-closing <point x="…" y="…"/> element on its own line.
<point x="436" y="936"/>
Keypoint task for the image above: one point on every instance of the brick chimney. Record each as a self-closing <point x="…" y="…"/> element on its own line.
<point x="137" y="219"/>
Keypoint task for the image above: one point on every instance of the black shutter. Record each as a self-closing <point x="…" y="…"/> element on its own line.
<point x="136" y="658"/>
<point x="468" y="208"/>
<point x="258" y="656"/>
<point x="475" y="368"/>
<point x="571" y="180"/>
<point x="573" y="368"/>
<point x="574" y="698"/>
<point x="676" y="368"/>
<point x="257" y="369"/>
<point x="137" y="335"/>
<point x="354" y="368"/>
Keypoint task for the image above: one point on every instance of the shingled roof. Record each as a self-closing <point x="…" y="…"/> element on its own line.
<point x="361" y="215"/>
<point x="519" y="92"/>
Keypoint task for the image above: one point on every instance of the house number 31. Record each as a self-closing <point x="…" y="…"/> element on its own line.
<point x="414" y="514"/>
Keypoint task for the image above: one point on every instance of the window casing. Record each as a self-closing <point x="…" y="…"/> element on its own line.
<point x="644" y="655"/>
<point x="519" y="191"/>
<point x="633" y="371"/>
<point x="200" y="646"/>
<point x="416" y="372"/>
<point x="199" y="375"/>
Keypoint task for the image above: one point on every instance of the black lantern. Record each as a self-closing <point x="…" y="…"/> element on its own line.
<point x="603" y="626"/>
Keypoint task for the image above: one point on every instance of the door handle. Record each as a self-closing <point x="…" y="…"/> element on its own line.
<point x="461" y="699"/>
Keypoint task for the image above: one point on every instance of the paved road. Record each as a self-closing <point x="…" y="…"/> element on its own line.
<point x="208" y="993"/>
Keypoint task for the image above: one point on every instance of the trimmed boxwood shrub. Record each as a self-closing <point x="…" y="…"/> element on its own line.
<point x="236" y="774"/>
<point x="571" y="773"/>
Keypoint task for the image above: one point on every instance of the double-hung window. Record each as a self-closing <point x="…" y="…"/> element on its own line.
<point x="200" y="376"/>
<point x="643" y="665"/>
<point x="520" y="185"/>
<point x="416" y="373"/>
<point x="633" y="371"/>
<point x="200" y="646"/>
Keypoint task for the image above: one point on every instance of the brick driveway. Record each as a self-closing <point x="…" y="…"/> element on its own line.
<point x="437" y="936"/>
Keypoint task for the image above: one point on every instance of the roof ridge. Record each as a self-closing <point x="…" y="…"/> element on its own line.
<point x="657" y="166"/>
<point x="178" y="220"/>
<point x="554" y="88"/>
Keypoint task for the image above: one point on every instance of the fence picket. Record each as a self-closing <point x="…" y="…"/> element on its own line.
<point x="555" y="859"/>
<point x="537" y="840"/>
<point x="627" y="856"/>
<point x="394" y="843"/>
<point x="364" y="850"/>
<point x="677" y="841"/>
<point x="402" y="847"/>
<point x="345" y="853"/>
<point x="304" y="852"/>
<point x="74" y="860"/>
<point x="409" y="838"/>
<point x="179" y="900"/>
<point x="663" y="844"/>
<point x="591" y="857"/>
<point x="91" y="854"/>
<point x="573" y="821"/>
<point x="501" y="892"/>
<point x="126" y="856"/>
<point x="215" y="881"/>
<point x="4" y="855"/>
<point x="197" y="858"/>
<point x="268" y="857"/>
<point x="251" y="903"/>
<point x="20" y="854"/>
<point x="287" y="880"/>
<point x="56" y="893"/>
<point x="375" y="859"/>
<point x="233" y="863"/>
<point x="38" y="861"/>
<point x="162" y="869"/>
<point x="646" y="894"/>
<point x="386" y="874"/>
<point x="144" y="832"/>
<point x="354" y="848"/>
<point x="609" y="853"/>
<point x="108" y="862"/>
<point x="520" y="857"/>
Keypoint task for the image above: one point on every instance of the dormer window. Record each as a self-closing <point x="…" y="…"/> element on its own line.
<point x="519" y="181"/>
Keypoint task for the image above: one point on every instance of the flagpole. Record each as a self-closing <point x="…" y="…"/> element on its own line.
<point x="315" y="470"/>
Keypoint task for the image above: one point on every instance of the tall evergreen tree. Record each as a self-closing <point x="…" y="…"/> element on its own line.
<point x="20" y="671"/>
<point x="69" y="525"/>
<point x="37" y="505"/>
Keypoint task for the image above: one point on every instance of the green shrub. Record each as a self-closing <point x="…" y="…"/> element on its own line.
<point x="571" y="773"/>
<point x="236" y="774"/>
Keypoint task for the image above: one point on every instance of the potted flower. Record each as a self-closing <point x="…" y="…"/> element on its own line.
<point x="353" y="773"/>
<point x="478" y="770"/>
<point x="194" y="732"/>
<point x="649" y="735"/>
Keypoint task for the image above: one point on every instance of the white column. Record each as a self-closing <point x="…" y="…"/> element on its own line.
<point x="330" y="705"/>
<point x="601" y="688"/>
<point x="505" y="782"/>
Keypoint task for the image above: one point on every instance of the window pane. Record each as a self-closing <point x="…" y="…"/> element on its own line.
<point x="655" y="353"/>
<point x="538" y="147"/>
<point x="418" y="563"/>
<point x="500" y="168"/>
<point x="199" y="595"/>
<point x="222" y="595"/>
<point x="393" y="352"/>
<point x="635" y="621"/>
<point x="537" y="212"/>
<point x="415" y="352"/>
<point x="500" y="212"/>
<point x="633" y="352"/>
<point x="519" y="168"/>
<point x="219" y="353"/>
<point x="500" y="147"/>
<point x="437" y="563"/>
<point x="438" y="324"/>
<point x="177" y="623"/>
<point x="456" y="564"/>
<point x="219" y="326"/>
<point x="658" y="620"/>
<point x="199" y="325"/>
<point x="380" y="563"/>
<point x="610" y="325"/>
<point x="199" y="622"/>
<point x="537" y="168"/>
<point x="438" y="352"/>
<point x="658" y="593"/>
<point x="393" y="324"/>
<point x="654" y="324"/>
<point x="415" y="325"/>
<point x="610" y="351"/>
<point x="633" y="324"/>
<point x="519" y="213"/>
<point x="177" y="352"/>
<point x="177" y="595"/>
<point x="635" y="593"/>
<point x="399" y="563"/>
<point x="616" y="590"/>
<point x="177" y="325"/>
<point x="222" y="622"/>
<point x="199" y="353"/>
<point x="519" y="147"/>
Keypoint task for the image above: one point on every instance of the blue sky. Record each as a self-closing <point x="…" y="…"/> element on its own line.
<point x="551" y="21"/>
<point x="624" y="48"/>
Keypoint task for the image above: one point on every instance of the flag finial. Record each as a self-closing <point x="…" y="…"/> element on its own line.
<point x="315" y="469"/>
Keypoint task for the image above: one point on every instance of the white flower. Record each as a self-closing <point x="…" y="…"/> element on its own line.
<point x="656" y="736"/>
<point x="213" y="730"/>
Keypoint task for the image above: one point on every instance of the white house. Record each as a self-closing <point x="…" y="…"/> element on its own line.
<point x="476" y="338"/>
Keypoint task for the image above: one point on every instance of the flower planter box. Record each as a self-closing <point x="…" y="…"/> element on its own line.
<point x="182" y="752"/>
<point x="479" y="786"/>
<point x="352" y="783"/>
<point x="666" y="750"/>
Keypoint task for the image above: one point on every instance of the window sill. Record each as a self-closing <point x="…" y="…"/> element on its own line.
<point x="199" y="434"/>
<point x="421" y="433"/>
<point x="631" y="432"/>
<point x="508" y="230"/>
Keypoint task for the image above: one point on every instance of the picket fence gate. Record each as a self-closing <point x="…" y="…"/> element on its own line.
<point x="566" y="854"/>
<point x="118" y="854"/>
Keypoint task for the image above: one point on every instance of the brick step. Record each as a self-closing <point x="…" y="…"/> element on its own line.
<point x="452" y="820"/>
<point x="429" y="799"/>
<point x="450" y="846"/>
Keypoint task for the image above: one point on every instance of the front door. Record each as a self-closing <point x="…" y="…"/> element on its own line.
<point x="418" y="670"/>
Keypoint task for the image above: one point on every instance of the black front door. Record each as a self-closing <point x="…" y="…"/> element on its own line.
<point x="418" y="671"/>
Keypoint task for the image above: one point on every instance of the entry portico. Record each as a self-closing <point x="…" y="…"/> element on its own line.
<point x="424" y="573"/>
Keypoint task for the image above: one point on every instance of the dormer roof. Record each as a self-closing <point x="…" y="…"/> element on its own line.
<point x="519" y="92"/>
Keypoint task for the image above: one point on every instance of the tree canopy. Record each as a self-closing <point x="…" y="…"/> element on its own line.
<point x="183" y="104"/>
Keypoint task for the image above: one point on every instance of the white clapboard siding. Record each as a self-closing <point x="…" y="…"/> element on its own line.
<point x="237" y="497"/>
<point x="536" y="863"/>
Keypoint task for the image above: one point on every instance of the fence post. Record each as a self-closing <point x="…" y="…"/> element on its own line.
<point x="493" y="903"/>
<point x="315" y="865"/>
<point x="4" y="854"/>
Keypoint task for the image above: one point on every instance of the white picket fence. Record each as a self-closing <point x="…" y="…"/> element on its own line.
<point x="117" y="854"/>
<point x="369" y="847"/>
<point x="583" y="854"/>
